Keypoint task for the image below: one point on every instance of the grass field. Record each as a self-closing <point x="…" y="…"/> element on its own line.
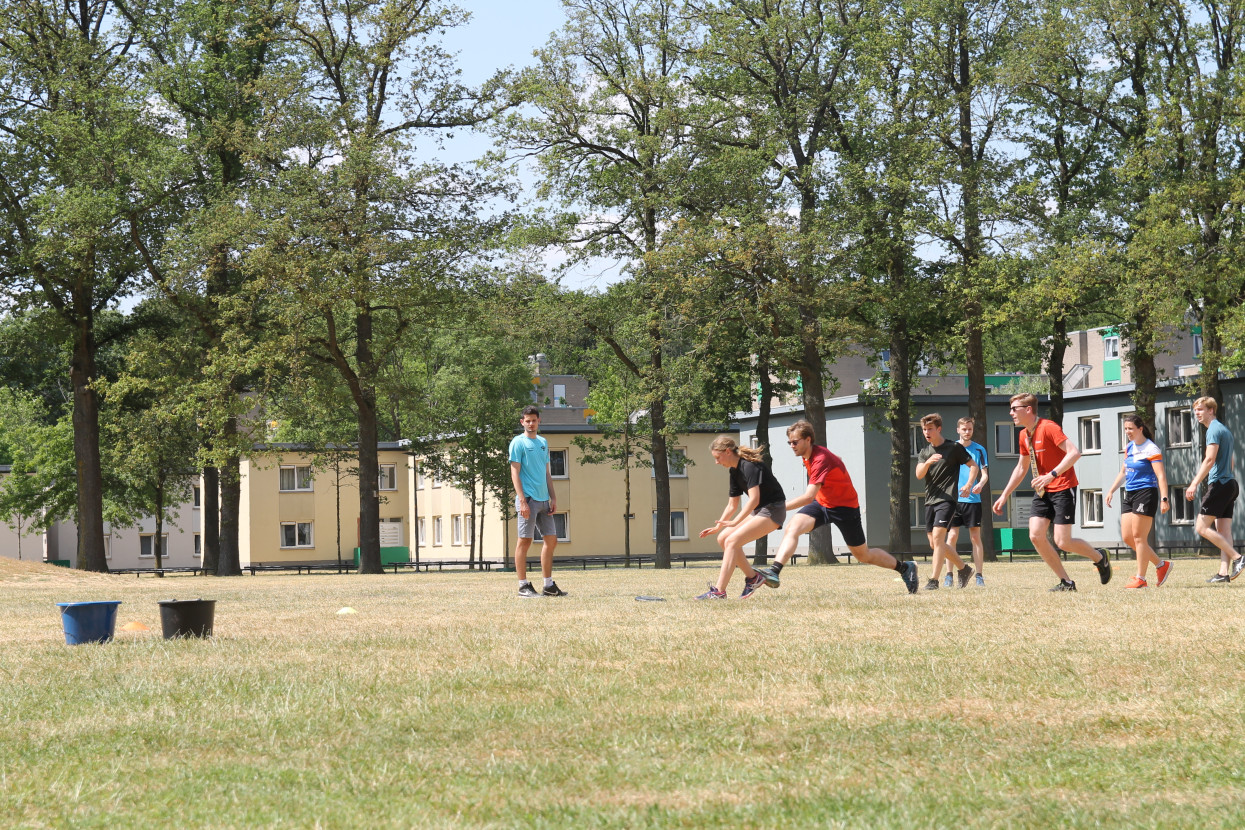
<point x="446" y="701"/>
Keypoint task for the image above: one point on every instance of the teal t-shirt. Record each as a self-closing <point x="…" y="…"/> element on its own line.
<point x="978" y="453"/>
<point x="533" y="457"/>
<point x="1217" y="433"/>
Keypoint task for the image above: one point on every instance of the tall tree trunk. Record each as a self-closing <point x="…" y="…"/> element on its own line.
<point x="1212" y="357"/>
<point x="369" y="463"/>
<point x="1055" y="367"/>
<point x="209" y="519"/>
<point x="230" y="563"/>
<point x="157" y="544"/>
<point x="897" y="413"/>
<point x="765" y="392"/>
<point x="91" y="553"/>
<point x="1144" y="372"/>
<point x="661" y="476"/>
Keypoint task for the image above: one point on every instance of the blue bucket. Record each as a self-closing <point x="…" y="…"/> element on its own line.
<point x="88" y="622"/>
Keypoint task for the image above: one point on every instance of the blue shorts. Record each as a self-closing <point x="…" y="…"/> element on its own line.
<point x="846" y="519"/>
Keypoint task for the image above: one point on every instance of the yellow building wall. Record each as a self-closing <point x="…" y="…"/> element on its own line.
<point x="593" y="497"/>
<point x="265" y="507"/>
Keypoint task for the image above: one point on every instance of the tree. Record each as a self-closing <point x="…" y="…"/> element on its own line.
<point x="77" y="143"/>
<point x="362" y="239"/>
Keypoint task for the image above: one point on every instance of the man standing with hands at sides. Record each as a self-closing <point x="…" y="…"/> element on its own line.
<point x="829" y="498"/>
<point x="1214" y="520"/>
<point x="938" y="465"/>
<point x="535" y="501"/>
<point x="968" y="508"/>
<point x="1050" y="456"/>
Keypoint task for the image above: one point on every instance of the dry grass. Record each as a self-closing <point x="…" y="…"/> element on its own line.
<point x="837" y="700"/>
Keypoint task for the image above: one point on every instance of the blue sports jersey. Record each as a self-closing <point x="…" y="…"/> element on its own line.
<point x="1139" y="465"/>
<point x="978" y="454"/>
<point x="533" y="457"/>
<point x="1217" y="433"/>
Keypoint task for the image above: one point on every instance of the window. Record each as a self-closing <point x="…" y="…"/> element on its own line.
<point x="678" y="525"/>
<point x="295" y="479"/>
<point x="1021" y="507"/>
<point x="557" y="464"/>
<point x="456" y="530"/>
<point x="196" y="495"/>
<point x="1183" y="512"/>
<point x="296" y="534"/>
<point x="1180" y="427"/>
<point x="198" y="546"/>
<point x="1091" y="434"/>
<point x="108" y="546"/>
<point x="421" y="531"/>
<point x="1091" y="508"/>
<point x="676" y="463"/>
<point x="419" y="479"/>
<point x="561" y="527"/>
<point x="917" y="439"/>
<point x="436" y="530"/>
<point x="916" y="512"/>
<point x="1007" y="439"/>
<point x="433" y="481"/>
<point x="146" y="545"/>
<point x="1197" y="345"/>
<point x="559" y="395"/>
<point x="469" y="523"/>
<point x="1123" y="437"/>
<point x="1111" y="348"/>
<point x="388" y="479"/>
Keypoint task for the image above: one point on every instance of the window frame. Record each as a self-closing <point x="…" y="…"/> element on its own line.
<point x="916" y="511"/>
<point x="1173" y="416"/>
<point x="296" y="489"/>
<point x="670" y="463"/>
<point x="311" y="536"/>
<point x="1179" y="504"/>
<point x="564" y="454"/>
<point x="196" y="496"/>
<point x="565" y="534"/>
<point x="456" y="529"/>
<point x="437" y="532"/>
<point x="1091" y="503"/>
<point x="1111" y="347"/>
<point x="393" y="478"/>
<point x="152" y="555"/>
<point x="1013" y="448"/>
<point x="917" y="442"/>
<point x="1093" y="436"/>
<point x="197" y="550"/>
<point x="673" y="536"/>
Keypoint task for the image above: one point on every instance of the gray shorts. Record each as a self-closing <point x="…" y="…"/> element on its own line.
<point x="776" y="512"/>
<point x="539" y="523"/>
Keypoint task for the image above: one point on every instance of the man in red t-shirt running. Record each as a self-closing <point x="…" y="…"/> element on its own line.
<point x="1048" y="453"/>
<point x="829" y="499"/>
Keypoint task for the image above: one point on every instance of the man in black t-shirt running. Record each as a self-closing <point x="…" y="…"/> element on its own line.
<point x="938" y="465"/>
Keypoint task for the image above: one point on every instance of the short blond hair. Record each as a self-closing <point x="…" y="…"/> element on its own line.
<point x="967" y="419"/>
<point x="1207" y="402"/>
<point x="1025" y="399"/>
<point x="932" y="418"/>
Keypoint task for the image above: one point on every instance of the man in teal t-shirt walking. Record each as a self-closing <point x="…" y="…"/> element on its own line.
<point x="535" y="502"/>
<point x="1214" y="520"/>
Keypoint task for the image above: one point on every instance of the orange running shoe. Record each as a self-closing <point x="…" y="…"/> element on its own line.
<point x="1163" y="570"/>
<point x="1136" y="582"/>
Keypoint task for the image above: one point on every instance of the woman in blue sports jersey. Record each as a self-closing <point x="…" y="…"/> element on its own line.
<point x="1145" y="494"/>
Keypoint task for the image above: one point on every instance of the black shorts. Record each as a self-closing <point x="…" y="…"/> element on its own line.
<point x="938" y="515"/>
<point x="846" y="519"/>
<point x="1143" y="501"/>
<point x="967" y="514"/>
<point x="1220" y="499"/>
<point x="1059" y="507"/>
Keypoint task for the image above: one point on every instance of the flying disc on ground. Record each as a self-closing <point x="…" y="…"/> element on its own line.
<point x="650" y="599"/>
<point x="346" y="610"/>
<point x="134" y="626"/>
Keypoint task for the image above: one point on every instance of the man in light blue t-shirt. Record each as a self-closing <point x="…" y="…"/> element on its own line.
<point x="968" y="508"/>
<point x="535" y="502"/>
<point x="1214" y="520"/>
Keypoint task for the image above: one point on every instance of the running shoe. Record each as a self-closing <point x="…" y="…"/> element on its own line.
<point x="1163" y="570"/>
<point x="932" y="585"/>
<point x="1104" y="566"/>
<point x="1236" y="567"/>
<point x="1064" y="585"/>
<point x="553" y="591"/>
<point x="752" y="584"/>
<point x="526" y="591"/>
<point x="712" y="593"/>
<point x="911" y="576"/>
<point x="1135" y="582"/>
<point x="771" y="576"/>
<point x="964" y="573"/>
<point x="947" y="580"/>
<point x="1220" y="578"/>
<point x="981" y="581"/>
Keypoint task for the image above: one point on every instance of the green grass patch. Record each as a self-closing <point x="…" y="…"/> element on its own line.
<point x="446" y="701"/>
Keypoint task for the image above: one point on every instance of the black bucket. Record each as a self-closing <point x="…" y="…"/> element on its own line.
<point x="187" y="617"/>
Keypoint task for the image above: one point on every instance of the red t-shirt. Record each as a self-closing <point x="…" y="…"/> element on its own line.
<point x="828" y="470"/>
<point x="1047" y="436"/>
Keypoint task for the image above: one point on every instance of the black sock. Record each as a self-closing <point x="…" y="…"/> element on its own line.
<point x="900" y="564"/>
<point x="777" y="567"/>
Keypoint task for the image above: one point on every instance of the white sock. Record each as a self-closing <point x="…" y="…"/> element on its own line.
<point x="548" y="581"/>
<point x="523" y="582"/>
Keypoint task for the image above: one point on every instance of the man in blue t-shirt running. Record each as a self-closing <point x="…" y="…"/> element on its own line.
<point x="1214" y="521"/>
<point x="535" y="502"/>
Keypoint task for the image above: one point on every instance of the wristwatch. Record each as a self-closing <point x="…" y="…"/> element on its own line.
<point x="1164" y="498"/>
